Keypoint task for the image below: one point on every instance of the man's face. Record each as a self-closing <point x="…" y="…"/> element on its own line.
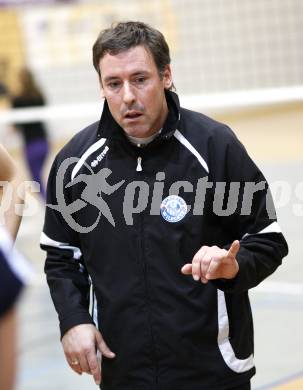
<point x="134" y="90"/>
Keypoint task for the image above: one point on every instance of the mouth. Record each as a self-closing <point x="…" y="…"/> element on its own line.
<point x="132" y="115"/>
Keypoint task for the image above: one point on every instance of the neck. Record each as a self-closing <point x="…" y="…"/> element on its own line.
<point x="142" y="141"/>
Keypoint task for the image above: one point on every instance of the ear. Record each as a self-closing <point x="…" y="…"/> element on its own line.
<point x="167" y="77"/>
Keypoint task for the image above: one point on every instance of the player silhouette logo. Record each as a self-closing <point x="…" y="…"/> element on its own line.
<point x="95" y="185"/>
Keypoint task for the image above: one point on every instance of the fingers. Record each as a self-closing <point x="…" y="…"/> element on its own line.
<point x="74" y="364"/>
<point x="205" y="264"/>
<point x="225" y="266"/>
<point x="186" y="269"/>
<point x="81" y="344"/>
<point x="199" y="265"/>
<point x="83" y="362"/>
<point x="103" y="348"/>
<point x="213" y="263"/>
<point x="234" y="249"/>
<point x="212" y="272"/>
<point x="78" y="363"/>
<point x="94" y="367"/>
<point x="196" y="267"/>
<point x="87" y="363"/>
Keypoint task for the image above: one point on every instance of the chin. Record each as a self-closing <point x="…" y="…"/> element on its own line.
<point x="136" y="132"/>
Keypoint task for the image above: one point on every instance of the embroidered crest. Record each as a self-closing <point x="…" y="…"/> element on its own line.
<point x="173" y="208"/>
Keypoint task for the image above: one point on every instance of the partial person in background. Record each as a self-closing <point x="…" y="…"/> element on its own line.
<point x="13" y="269"/>
<point x="10" y="175"/>
<point x="14" y="273"/>
<point x="34" y="133"/>
<point x="4" y="93"/>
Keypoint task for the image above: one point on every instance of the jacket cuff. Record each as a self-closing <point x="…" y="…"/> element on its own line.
<point x="242" y="281"/>
<point x="234" y="285"/>
<point x="73" y="319"/>
<point x="227" y="285"/>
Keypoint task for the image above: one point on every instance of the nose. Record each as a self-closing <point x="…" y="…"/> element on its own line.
<point x="128" y="94"/>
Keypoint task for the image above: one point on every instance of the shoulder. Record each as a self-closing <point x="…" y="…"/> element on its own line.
<point x="75" y="149"/>
<point x="219" y="146"/>
<point x="199" y="119"/>
<point x="204" y="130"/>
<point x="80" y="142"/>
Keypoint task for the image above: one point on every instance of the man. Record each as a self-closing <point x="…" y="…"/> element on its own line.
<point x="169" y="269"/>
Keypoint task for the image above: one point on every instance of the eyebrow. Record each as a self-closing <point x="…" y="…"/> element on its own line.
<point x="109" y="78"/>
<point x="137" y="73"/>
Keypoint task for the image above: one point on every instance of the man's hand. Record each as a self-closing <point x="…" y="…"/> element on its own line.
<point x="213" y="263"/>
<point x="80" y="344"/>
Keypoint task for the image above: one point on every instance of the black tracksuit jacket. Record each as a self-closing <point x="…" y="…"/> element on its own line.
<point x="168" y="331"/>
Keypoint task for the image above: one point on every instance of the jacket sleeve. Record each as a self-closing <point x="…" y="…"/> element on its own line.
<point x="66" y="273"/>
<point x="253" y="222"/>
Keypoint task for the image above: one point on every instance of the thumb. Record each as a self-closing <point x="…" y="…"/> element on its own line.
<point x="234" y="249"/>
<point x="103" y="348"/>
<point x="186" y="269"/>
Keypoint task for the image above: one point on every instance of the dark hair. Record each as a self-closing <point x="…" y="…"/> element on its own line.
<point x="28" y="85"/>
<point x="125" y="35"/>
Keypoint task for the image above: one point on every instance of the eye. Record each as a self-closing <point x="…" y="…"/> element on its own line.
<point x="114" y="84"/>
<point x="140" y="80"/>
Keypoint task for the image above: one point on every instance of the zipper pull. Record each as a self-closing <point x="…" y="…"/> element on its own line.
<point x="139" y="164"/>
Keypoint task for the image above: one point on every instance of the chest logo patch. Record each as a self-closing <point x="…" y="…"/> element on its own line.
<point x="173" y="208"/>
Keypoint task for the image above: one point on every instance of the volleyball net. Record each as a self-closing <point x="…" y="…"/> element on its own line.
<point x="225" y="54"/>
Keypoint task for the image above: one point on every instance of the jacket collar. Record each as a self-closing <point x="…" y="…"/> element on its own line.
<point x="109" y="128"/>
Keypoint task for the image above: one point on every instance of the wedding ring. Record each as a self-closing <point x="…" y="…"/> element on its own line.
<point x="74" y="362"/>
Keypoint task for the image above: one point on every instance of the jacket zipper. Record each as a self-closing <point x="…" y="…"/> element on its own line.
<point x="147" y="295"/>
<point x="139" y="164"/>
